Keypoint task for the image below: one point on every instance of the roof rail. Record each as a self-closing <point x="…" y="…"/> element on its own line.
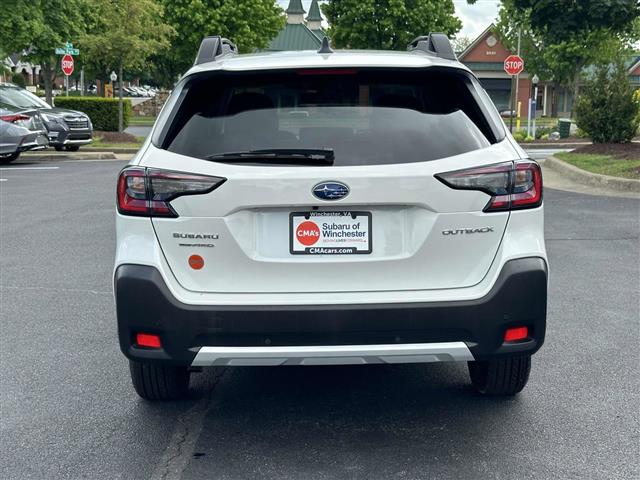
<point x="437" y="44"/>
<point x="214" y="47"/>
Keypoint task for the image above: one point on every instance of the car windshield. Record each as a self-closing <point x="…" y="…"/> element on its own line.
<point x="366" y="118"/>
<point x="21" y="98"/>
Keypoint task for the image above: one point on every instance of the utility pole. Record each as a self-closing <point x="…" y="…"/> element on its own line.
<point x="120" y="116"/>
<point x="514" y="88"/>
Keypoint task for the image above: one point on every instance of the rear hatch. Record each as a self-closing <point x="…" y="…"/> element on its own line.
<point x="327" y="182"/>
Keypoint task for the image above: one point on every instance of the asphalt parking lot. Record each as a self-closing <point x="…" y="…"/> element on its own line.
<point x="68" y="410"/>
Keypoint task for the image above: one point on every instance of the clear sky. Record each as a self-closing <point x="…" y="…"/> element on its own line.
<point x="475" y="18"/>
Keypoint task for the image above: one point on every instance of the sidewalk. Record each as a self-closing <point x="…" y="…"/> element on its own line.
<point x="557" y="180"/>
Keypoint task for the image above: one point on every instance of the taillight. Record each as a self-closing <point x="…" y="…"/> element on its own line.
<point x="148" y="340"/>
<point x="13" y="118"/>
<point x="516" y="334"/>
<point x="146" y="192"/>
<point x="512" y="185"/>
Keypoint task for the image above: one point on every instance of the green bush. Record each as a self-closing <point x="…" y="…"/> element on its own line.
<point x="519" y="136"/>
<point x="606" y="110"/>
<point x="103" y="112"/>
<point x="542" y="131"/>
<point x="18" y="79"/>
<point x="581" y="133"/>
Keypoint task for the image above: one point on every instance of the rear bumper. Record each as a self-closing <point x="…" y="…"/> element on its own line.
<point x="331" y="334"/>
<point x="333" y="354"/>
<point x="34" y="141"/>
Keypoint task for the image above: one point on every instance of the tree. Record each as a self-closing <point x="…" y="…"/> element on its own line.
<point x="387" y="24"/>
<point x="250" y="24"/>
<point x="460" y="44"/>
<point x="557" y="20"/>
<point x="606" y="110"/>
<point x="124" y="34"/>
<point x="555" y="53"/>
<point x="38" y="27"/>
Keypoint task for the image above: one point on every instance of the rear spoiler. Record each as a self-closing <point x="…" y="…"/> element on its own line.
<point x="435" y="44"/>
<point x="214" y="47"/>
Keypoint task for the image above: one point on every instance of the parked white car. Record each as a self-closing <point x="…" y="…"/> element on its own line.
<point x="323" y="208"/>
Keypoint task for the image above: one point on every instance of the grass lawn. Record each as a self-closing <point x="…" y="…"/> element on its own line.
<point x="603" y="164"/>
<point x="135" y="120"/>
<point x="540" y="122"/>
<point x="100" y="143"/>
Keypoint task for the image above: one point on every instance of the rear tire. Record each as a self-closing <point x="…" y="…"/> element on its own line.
<point x="505" y="376"/>
<point x="4" y="159"/>
<point x="159" y="382"/>
<point x="72" y="148"/>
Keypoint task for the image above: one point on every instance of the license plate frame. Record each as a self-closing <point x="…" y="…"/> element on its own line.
<point x="295" y="248"/>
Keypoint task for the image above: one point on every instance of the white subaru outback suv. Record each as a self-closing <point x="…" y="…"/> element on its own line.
<point x="329" y="208"/>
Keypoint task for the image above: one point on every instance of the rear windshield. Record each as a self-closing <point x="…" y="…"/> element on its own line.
<point x="363" y="117"/>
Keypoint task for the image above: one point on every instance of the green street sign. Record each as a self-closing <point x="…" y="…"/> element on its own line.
<point x="67" y="50"/>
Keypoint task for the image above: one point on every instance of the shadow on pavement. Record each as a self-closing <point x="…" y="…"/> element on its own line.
<point x="378" y="421"/>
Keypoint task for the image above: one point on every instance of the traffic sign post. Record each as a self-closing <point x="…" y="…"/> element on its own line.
<point x="67" y="62"/>
<point x="68" y="49"/>
<point x="67" y="68"/>
<point x="513" y="65"/>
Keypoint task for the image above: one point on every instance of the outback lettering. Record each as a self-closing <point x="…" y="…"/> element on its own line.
<point x="467" y="231"/>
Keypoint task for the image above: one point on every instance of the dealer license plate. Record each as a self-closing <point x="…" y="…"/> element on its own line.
<point x="330" y="233"/>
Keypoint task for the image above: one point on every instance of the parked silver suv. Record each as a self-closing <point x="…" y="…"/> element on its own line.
<point x="67" y="129"/>
<point x="20" y="130"/>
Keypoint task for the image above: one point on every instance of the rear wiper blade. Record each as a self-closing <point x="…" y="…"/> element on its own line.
<point x="323" y="156"/>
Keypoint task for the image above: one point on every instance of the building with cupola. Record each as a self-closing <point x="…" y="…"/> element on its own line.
<point x="300" y="32"/>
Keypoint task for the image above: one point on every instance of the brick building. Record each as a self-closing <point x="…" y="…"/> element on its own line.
<point x="485" y="57"/>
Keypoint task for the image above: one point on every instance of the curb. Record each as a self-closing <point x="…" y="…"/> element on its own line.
<point x="111" y="150"/>
<point x="52" y="157"/>
<point x="532" y="145"/>
<point x="595" y="179"/>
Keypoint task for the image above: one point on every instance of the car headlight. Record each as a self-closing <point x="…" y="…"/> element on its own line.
<point x="49" y="118"/>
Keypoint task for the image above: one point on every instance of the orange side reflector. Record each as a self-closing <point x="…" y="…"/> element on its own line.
<point x="196" y="262"/>
<point x="515" y="334"/>
<point x="148" y="340"/>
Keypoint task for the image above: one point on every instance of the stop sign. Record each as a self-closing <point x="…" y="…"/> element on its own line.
<point x="67" y="64"/>
<point x="513" y="65"/>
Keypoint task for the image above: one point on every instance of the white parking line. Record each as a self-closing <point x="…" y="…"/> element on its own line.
<point x="3" y="179"/>
<point x="28" y="168"/>
<point x="95" y="160"/>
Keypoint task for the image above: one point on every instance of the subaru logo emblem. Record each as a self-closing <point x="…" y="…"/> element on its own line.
<point x="330" y="191"/>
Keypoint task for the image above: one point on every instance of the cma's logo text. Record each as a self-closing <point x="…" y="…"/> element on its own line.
<point x="467" y="231"/>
